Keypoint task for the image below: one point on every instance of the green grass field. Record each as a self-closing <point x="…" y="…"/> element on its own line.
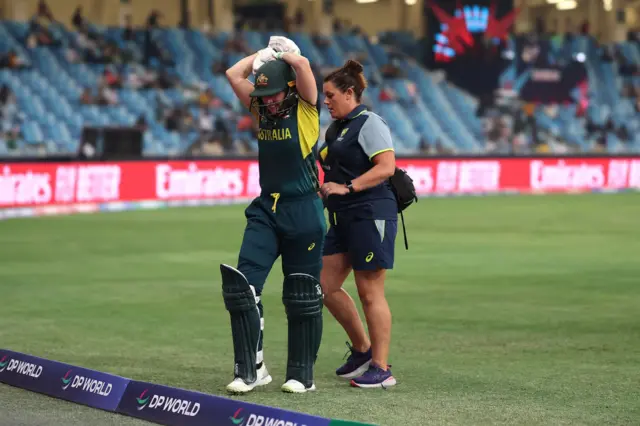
<point x="507" y="310"/>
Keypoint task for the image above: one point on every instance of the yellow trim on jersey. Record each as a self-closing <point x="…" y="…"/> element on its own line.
<point x="308" y="126"/>
<point x="359" y="114"/>
<point x="380" y="152"/>
<point x="323" y="152"/>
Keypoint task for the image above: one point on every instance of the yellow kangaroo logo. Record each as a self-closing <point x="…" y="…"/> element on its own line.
<point x="312" y="246"/>
<point x="369" y="257"/>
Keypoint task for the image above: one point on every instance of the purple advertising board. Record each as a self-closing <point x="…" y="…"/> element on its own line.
<point x="155" y="403"/>
<point x="171" y="406"/>
<point x="60" y="380"/>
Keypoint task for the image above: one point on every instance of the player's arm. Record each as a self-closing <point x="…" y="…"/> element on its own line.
<point x="308" y="113"/>
<point x="375" y="140"/>
<point x="305" y="80"/>
<point x="237" y="76"/>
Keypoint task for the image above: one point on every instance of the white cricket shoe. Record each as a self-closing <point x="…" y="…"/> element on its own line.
<point x="240" y="386"/>
<point x="294" y="386"/>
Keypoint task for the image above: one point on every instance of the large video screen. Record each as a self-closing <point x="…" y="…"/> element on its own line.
<point x="460" y="28"/>
<point x="467" y="38"/>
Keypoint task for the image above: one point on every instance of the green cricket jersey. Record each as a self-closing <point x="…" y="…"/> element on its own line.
<point x="287" y="165"/>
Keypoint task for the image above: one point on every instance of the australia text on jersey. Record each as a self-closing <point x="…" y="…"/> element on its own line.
<point x="274" y="134"/>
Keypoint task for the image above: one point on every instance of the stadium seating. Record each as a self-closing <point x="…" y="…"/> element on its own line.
<point x="426" y="110"/>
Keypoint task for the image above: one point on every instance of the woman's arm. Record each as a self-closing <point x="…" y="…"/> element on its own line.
<point x="375" y="141"/>
<point x="305" y="80"/>
<point x="384" y="167"/>
<point x="237" y="77"/>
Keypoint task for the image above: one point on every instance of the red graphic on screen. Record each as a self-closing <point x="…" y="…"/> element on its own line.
<point x="457" y="32"/>
<point x="499" y="28"/>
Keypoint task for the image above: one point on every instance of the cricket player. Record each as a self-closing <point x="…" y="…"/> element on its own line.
<point x="286" y="220"/>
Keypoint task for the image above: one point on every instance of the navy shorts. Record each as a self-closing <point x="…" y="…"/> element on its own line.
<point x="369" y="243"/>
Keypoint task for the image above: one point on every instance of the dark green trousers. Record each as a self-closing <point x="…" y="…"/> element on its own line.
<point x="293" y="228"/>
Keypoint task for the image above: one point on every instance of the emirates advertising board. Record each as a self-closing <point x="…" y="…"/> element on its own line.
<point x="34" y="189"/>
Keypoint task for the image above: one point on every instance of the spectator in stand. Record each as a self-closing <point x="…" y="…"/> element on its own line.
<point x="163" y="107"/>
<point x="111" y="78"/>
<point x="141" y="123"/>
<point x="440" y="149"/>
<point x="12" y="61"/>
<point x="236" y="44"/>
<point x="86" y="98"/>
<point x="287" y="24"/>
<point x="412" y="89"/>
<point x="130" y="52"/>
<point x="141" y="78"/>
<point x="623" y="133"/>
<point x="214" y="135"/>
<point x="245" y="123"/>
<point x="11" y="137"/>
<point x="10" y="116"/>
<point x="213" y="148"/>
<point x="44" y="12"/>
<point x="208" y="99"/>
<point x="336" y="25"/>
<point x="207" y="27"/>
<point x="600" y="142"/>
<point x="106" y="95"/>
<point x="636" y="100"/>
<point x="153" y="20"/>
<point x="298" y="20"/>
<point x="392" y="70"/>
<point x="111" y="53"/>
<point x="205" y="98"/>
<point x="179" y="119"/>
<point x="39" y="33"/>
<point x="92" y="45"/>
<point x="5" y="95"/>
<point x="320" y="40"/>
<point x="88" y="47"/>
<point x="152" y="48"/>
<point x="219" y="67"/>
<point x="128" y="34"/>
<point x="387" y="94"/>
<point x="171" y="118"/>
<point x="78" y="21"/>
<point x="222" y="131"/>
<point x="186" y="120"/>
<point x="424" y="146"/>
<point x="206" y="148"/>
<point x="205" y="123"/>
<point x="166" y="80"/>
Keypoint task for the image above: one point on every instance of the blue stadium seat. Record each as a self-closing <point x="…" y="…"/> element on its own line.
<point x="32" y="133"/>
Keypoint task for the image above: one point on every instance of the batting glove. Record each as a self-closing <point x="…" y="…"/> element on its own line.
<point x="264" y="55"/>
<point x="284" y="45"/>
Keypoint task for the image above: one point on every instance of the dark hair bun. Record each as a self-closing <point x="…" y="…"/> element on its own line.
<point x="353" y="67"/>
<point x="349" y="76"/>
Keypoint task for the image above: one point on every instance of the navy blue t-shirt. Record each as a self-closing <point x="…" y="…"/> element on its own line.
<point x="360" y="136"/>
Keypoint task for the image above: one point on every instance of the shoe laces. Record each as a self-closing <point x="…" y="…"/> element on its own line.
<point x="350" y="351"/>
